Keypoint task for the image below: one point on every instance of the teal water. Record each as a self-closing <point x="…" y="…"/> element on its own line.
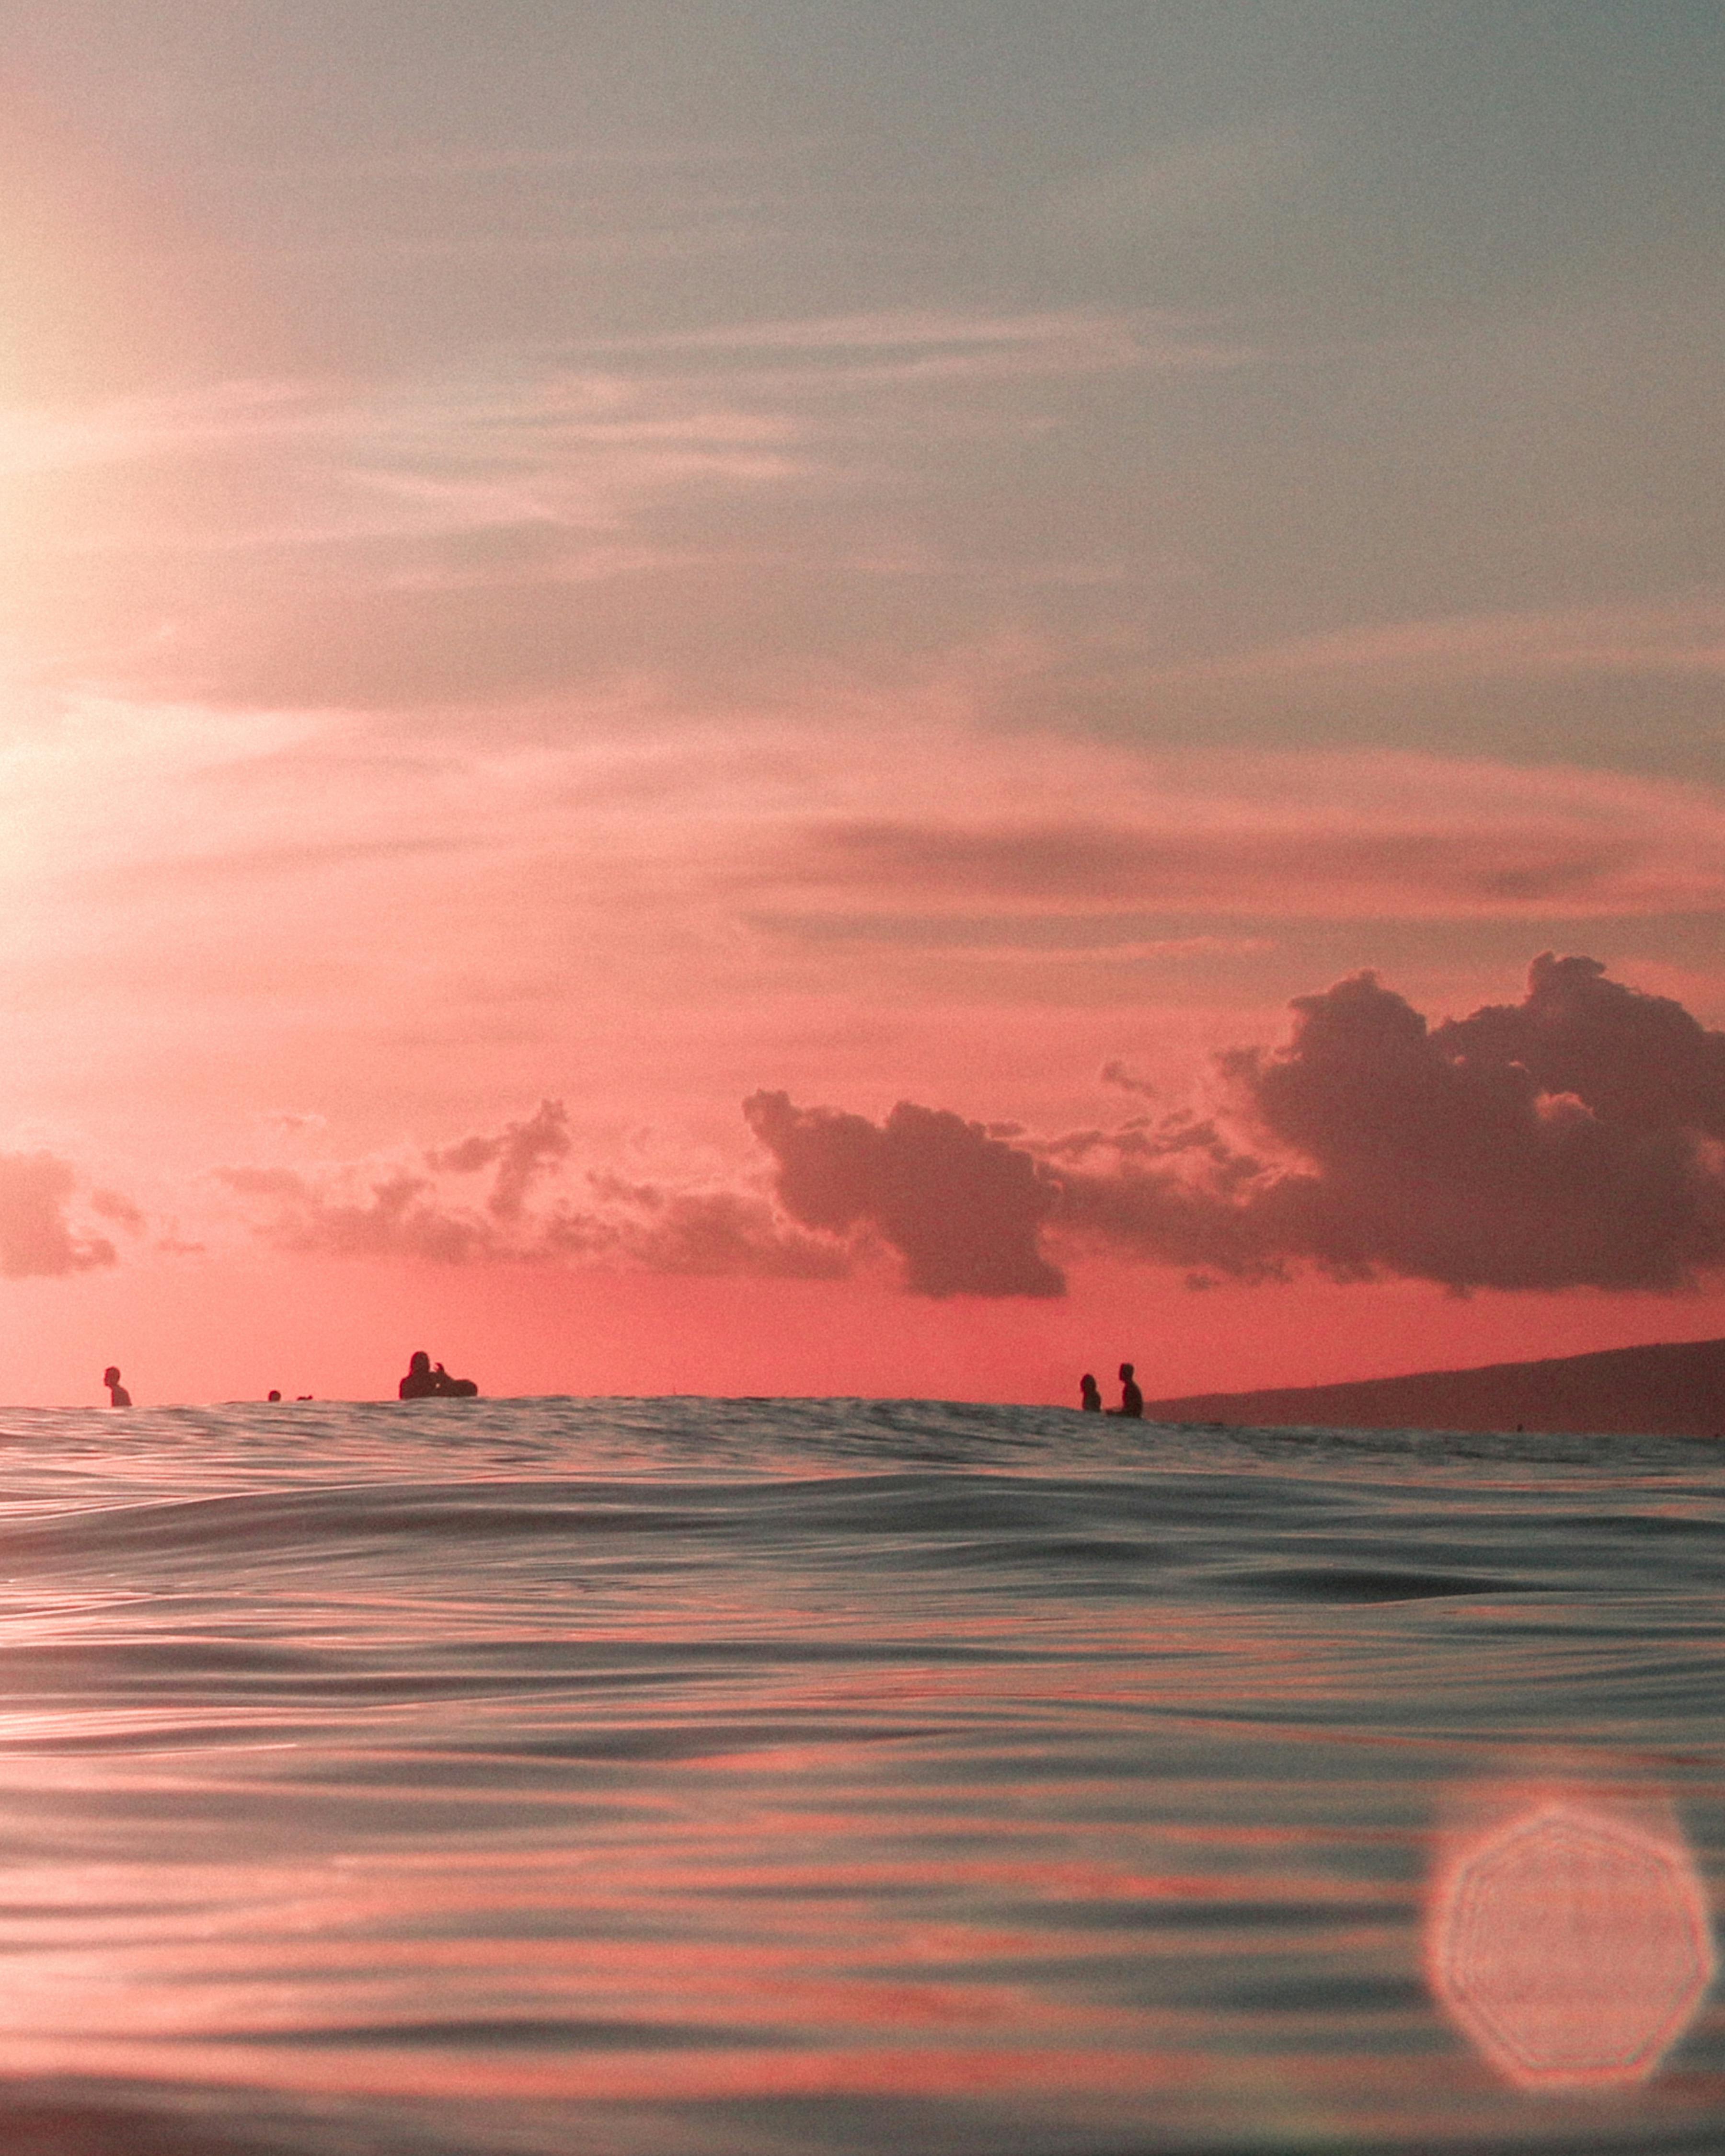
<point x="687" y="1777"/>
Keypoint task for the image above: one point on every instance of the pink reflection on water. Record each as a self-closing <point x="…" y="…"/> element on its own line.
<point x="1567" y="1937"/>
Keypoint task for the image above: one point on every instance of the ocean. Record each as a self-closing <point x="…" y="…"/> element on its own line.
<point x="750" y="1778"/>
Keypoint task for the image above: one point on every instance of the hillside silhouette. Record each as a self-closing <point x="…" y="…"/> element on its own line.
<point x="1673" y="1390"/>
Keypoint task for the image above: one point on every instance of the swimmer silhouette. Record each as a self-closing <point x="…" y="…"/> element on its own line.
<point x="118" y="1396"/>
<point x="418" y="1384"/>
<point x="423" y="1382"/>
<point x="273" y="1394"/>
<point x="1089" y="1399"/>
<point x="1132" y="1401"/>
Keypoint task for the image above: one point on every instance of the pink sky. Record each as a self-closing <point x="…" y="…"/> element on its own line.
<point x="633" y="572"/>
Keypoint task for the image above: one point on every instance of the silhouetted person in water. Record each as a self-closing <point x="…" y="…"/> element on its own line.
<point x="1089" y="1399"/>
<point x="118" y="1396"/>
<point x="273" y="1394"/>
<point x="418" y="1384"/>
<point x="1132" y="1401"/>
<point x="423" y="1382"/>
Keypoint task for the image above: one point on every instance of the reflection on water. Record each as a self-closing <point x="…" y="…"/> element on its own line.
<point x="1570" y="1941"/>
<point x="688" y="1778"/>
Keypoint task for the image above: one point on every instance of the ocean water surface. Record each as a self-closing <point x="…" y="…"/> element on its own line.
<point x="693" y="1777"/>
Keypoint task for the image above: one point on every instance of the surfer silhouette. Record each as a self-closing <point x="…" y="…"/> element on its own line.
<point x="418" y="1384"/>
<point x="118" y="1396"/>
<point x="1089" y="1398"/>
<point x="423" y="1382"/>
<point x="1132" y="1401"/>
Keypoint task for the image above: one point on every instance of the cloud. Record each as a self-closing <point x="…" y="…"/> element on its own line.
<point x="392" y="1209"/>
<point x="1568" y="1140"/>
<point x="1565" y="843"/>
<point x="963" y="1209"/>
<point x="523" y="1153"/>
<point x="1575" y="1139"/>
<point x="1684" y="639"/>
<point x="35" y="1236"/>
<point x="1641" y="1059"/>
<point x="1115" y="1072"/>
<point x="115" y="1205"/>
<point x="399" y="1216"/>
<point x="729" y="1233"/>
<point x="925" y="346"/>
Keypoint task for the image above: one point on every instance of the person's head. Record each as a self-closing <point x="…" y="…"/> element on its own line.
<point x="111" y="1376"/>
<point x="1087" y="1383"/>
<point x="273" y="1394"/>
<point x="1126" y="1372"/>
<point x="420" y="1363"/>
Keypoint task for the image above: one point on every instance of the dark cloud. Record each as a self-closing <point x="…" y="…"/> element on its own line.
<point x="1641" y="1060"/>
<point x="115" y="1205"/>
<point x="35" y="1236"/>
<point x="961" y="1209"/>
<point x="1114" y="1072"/>
<point x="395" y="1212"/>
<point x="524" y="1153"/>
<point x="714" y="1232"/>
<point x="1571" y="1140"/>
<point x="1086" y="862"/>
<point x="1574" y="1139"/>
<point x="399" y="1217"/>
<point x="1559" y="1142"/>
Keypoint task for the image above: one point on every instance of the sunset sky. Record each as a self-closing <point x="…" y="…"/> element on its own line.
<point x="925" y="566"/>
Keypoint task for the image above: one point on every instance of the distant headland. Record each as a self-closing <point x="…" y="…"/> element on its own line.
<point x="1676" y="1390"/>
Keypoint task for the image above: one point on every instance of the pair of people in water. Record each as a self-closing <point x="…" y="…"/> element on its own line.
<point x="1132" y="1401"/>
<point x="423" y="1383"/>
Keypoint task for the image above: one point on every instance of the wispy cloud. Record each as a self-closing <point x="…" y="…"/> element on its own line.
<point x="1327" y="834"/>
<point x="908" y="345"/>
<point x="1683" y="638"/>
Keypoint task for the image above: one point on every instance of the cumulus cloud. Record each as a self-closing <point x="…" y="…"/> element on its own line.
<point x="1115" y="1072"/>
<point x="1574" y="1139"/>
<point x="114" y="1205"/>
<point x="36" y="1237"/>
<point x="395" y="1209"/>
<point x="523" y="1153"/>
<point x="1516" y="1148"/>
<point x="963" y="1209"/>
<point x="726" y="1232"/>
<point x="1562" y="1142"/>
<point x="1641" y="1060"/>
<point x="399" y="1215"/>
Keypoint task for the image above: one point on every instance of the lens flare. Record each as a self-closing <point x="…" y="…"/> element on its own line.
<point x="1570" y="1943"/>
